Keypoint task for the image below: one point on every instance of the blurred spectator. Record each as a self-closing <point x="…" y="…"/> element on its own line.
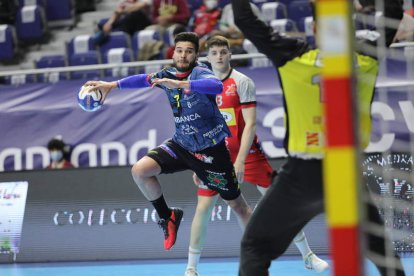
<point x="405" y="29"/>
<point x="206" y="18"/>
<point x="59" y="154"/>
<point x="7" y="11"/>
<point x="227" y="26"/>
<point x="130" y="16"/>
<point x="166" y="13"/>
<point x="228" y="29"/>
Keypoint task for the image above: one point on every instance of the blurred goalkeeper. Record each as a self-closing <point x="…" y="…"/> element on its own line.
<point x="297" y="194"/>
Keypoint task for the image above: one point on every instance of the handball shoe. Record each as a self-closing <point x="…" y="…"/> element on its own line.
<point x="191" y="271"/>
<point x="170" y="227"/>
<point x="314" y="263"/>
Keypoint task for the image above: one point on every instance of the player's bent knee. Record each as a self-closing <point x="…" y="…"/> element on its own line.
<point x="144" y="168"/>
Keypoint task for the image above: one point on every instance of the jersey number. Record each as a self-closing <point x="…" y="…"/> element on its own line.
<point x="219" y="100"/>
<point x="177" y="109"/>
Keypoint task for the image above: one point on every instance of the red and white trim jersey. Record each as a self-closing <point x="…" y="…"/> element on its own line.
<point x="239" y="92"/>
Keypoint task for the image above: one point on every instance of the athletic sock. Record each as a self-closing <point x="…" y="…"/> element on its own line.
<point x="193" y="257"/>
<point x="302" y="244"/>
<point x="161" y="207"/>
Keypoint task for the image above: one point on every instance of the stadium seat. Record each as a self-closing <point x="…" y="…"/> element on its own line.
<point x="8" y="43"/>
<point x="299" y="9"/>
<point x="283" y="25"/>
<point x="255" y="62"/>
<point x="115" y="40"/>
<point x="87" y="58"/>
<point x="273" y="10"/>
<point x="50" y="62"/>
<point x="21" y="3"/>
<point x="259" y="3"/>
<point x="139" y="38"/>
<point x="169" y="36"/>
<point x="79" y="44"/>
<point x="60" y="13"/>
<point x="118" y="56"/>
<point x="306" y="26"/>
<point x="31" y="25"/>
<point x="20" y="79"/>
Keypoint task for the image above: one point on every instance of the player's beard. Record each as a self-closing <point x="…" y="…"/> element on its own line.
<point x="187" y="68"/>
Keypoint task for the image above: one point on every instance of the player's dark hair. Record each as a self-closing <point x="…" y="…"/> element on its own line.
<point x="188" y="37"/>
<point x="218" y="40"/>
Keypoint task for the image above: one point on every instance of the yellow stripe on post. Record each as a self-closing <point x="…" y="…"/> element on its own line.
<point x="341" y="194"/>
<point x="337" y="66"/>
<point x="332" y="7"/>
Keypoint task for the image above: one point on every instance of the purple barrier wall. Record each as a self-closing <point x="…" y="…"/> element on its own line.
<point x="133" y="121"/>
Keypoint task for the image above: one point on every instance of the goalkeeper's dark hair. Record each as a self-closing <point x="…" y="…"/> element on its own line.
<point x="188" y="37"/>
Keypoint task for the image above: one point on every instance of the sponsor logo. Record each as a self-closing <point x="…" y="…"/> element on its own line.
<point x="104" y="216"/>
<point x="204" y="158"/>
<point x="231" y="90"/>
<point x="212" y="133"/>
<point x="389" y="177"/>
<point x="168" y="150"/>
<point x="187" y="118"/>
<point x="389" y="174"/>
<point x="229" y="116"/>
<point x="217" y="180"/>
<point x="190" y="104"/>
<point x="313" y="139"/>
<point x="188" y="130"/>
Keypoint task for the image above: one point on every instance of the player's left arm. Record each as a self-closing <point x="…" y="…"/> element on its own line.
<point x="249" y="132"/>
<point x="203" y="85"/>
<point x="247" y="95"/>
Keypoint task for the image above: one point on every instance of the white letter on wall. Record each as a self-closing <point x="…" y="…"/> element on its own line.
<point x="16" y="153"/>
<point x="387" y="114"/>
<point x="32" y="151"/>
<point x="92" y="151"/>
<point x="277" y="131"/>
<point x="106" y="148"/>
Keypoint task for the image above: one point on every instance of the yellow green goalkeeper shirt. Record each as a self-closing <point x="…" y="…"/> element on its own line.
<point x="304" y="99"/>
<point x="299" y="71"/>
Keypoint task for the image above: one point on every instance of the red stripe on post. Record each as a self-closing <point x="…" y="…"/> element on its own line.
<point x="338" y="111"/>
<point x="345" y="251"/>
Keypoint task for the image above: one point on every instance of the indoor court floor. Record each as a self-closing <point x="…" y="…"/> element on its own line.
<point x="286" y="266"/>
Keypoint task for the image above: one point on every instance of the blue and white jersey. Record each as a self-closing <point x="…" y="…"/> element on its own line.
<point x="198" y="121"/>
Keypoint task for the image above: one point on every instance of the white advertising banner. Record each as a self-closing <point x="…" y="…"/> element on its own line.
<point x="12" y="204"/>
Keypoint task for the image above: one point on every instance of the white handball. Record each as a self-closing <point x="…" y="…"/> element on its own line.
<point x="90" y="100"/>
